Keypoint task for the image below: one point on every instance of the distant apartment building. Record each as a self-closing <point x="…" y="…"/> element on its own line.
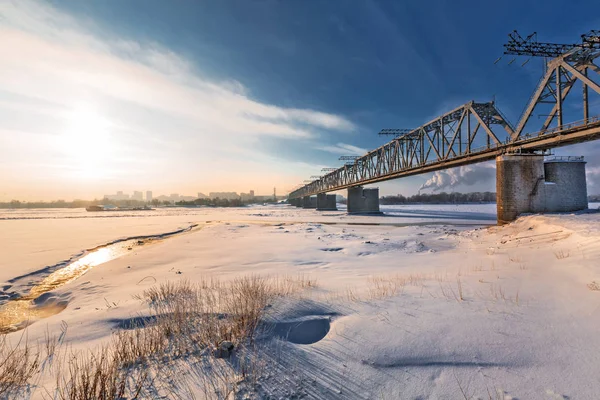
<point x="162" y="197"/>
<point x="119" y="196"/>
<point x="268" y="197"/>
<point x="149" y="196"/>
<point x="224" y="195"/>
<point x="247" y="196"/>
<point x="263" y="198"/>
<point x="201" y="196"/>
<point x="139" y="196"/>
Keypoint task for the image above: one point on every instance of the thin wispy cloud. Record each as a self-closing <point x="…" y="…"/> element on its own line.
<point x="343" y="149"/>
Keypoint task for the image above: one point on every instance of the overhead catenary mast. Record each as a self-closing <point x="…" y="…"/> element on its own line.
<point x="394" y="132"/>
<point x="529" y="46"/>
<point x="564" y="64"/>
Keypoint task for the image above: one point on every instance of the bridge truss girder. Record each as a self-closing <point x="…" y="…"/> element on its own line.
<point x="448" y="140"/>
<point x="450" y="135"/>
<point x="561" y="75"/>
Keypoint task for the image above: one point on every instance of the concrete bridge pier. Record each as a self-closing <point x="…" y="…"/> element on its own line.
<point x="309" y="202"/>
<point x="326" y="202"/>
<point x="363" y="201"/>
<point x="526" y="183"/>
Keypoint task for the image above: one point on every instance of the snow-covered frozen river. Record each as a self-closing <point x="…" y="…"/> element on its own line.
<point x="485" y="213"/>
<point x="420" y="291"/>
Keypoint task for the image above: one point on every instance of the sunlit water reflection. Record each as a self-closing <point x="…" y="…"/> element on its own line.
<point x="39" y="303"/>
<point x="21" y="312"/>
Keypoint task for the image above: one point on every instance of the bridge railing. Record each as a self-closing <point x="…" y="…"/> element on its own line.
<point x="564" y="158"/>
<point x="564" y="127"/>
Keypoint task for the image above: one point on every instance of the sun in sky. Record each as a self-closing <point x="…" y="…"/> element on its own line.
<point x="86" y="143"/>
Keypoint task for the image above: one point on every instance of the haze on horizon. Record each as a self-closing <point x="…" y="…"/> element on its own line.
<point x="137" y="95"/>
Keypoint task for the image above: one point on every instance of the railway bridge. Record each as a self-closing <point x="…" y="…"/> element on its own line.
<point x="476" y="132"/>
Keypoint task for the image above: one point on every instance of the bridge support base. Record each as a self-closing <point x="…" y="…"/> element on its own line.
<point x="525" y="183"/>
<point x="326" y="202"/>
<point x="309" y="202"/>
<point x="363" y="201"/>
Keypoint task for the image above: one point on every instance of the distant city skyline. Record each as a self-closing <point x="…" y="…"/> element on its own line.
<point x="174" y="197"/>
<point x="144" y="195"/>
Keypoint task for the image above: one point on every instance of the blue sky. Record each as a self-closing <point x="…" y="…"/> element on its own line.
<point x="325" y="75"/>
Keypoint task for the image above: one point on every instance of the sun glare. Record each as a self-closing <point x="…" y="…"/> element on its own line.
<point x="86" y="143"/>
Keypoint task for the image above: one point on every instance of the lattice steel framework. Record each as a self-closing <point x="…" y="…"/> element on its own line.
<point x="561" y="75"/>
<point x="442" y="139"/>
<point x="449" y="140"/>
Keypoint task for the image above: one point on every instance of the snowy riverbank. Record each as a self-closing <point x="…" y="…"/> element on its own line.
<point x="426" y="302"/>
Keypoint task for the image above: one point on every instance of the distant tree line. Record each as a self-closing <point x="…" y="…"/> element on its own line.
<point x="76" y="203"/>
<point x="441" y="198"/>
<point x="216" y="202"/>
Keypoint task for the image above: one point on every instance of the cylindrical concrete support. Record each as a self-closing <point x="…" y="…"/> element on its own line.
<point x="309" y="202"/>
<point x="298" y="202"/>
<point x="525" y="183"/>
<point x="363" y="201"/>
<point x="519" y="179"/>
<point x="566" y="188"/>
<point x="326" y="202"/>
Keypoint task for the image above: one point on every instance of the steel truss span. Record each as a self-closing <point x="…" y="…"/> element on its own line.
<point x="476" y="132"/>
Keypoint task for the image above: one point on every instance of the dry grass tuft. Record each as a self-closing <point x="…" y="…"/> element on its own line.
<point x="393" y="285"/>
<point x="292" y="284"/>
<point x="188" y="321"/>
<point x="351" y="294"/>
<point x="497" y="292"/>
<point x="594" y="285"/>
<point x="460" y="289"/>
<point x="381" y="287"/>
<point x="99" y="375"/>
<point x="18" y="365"/>
<point x="561" y="254"/>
